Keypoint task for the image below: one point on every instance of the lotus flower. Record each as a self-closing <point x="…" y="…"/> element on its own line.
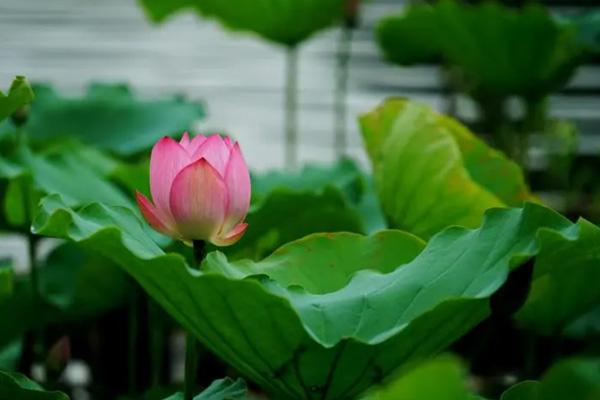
<point x="200" y="188"/>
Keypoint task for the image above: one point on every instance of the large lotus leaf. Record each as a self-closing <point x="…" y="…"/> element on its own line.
<point x="19" y="94"/>
<point x="587" y="325"/>
<point x="109" y="117"/>
<point x="17" y="386"/>
<point x="497" y="49"/>
<point x="410" y="38"/>
<point x="588" y="29"/>
<point x="221" y="389"/>
<point x="566" y="283"/>
<point x="286" y="215"/>
<point x="320" y="340"/>
<point x="431" y="172"/>
<point x="338" y="256"/>
<point x="576" y="378"/>
<point x="286" y="22"/>
<point x="159" y="10"/>
<point x="64" y="169"/>
<point x="345" y="175"/>
<point x="447" y="372"/>
<point x="289" y="205"/>
<point x="81" y="284"/>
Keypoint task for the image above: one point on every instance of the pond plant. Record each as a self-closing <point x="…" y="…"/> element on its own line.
<point x="437" y="272"/>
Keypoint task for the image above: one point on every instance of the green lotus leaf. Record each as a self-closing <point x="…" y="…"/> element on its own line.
<point x="588" y="29"/>
<point x="574" y="378"/>
<point x="431" y="172"/>
<point x="447" y="372"/>
<point x="19" y="94"/>
<point x="81" y="284"/>
<point x="566" y="284"/>
<point x="497" y="49"/>
<point x="410" y="38"/>
<point x="18" y="386"/>
<point x="221" y="389"/>
<point x="286" y="22"/>
<point x="586" y="326"/>
<point x="332" y="337"/>
<point x="109" y="117"/>
<point x="344" y="175"/>
<point x="527" y="390"/>
<point x="59" y="170"/>
<point x="319" y="198"/>
<point x="286" y="215"/>
<point x="159" y="10"/>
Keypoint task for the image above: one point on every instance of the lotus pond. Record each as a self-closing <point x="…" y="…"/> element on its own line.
<point x="159" y="264"/>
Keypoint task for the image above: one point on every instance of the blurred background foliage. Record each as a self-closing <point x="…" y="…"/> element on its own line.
<point x="423" y="172"/>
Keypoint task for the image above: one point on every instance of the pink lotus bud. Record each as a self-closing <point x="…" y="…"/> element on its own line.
<point x="200" y="188"/>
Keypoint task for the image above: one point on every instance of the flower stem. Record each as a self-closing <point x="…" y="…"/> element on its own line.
<point x="191" y="344"/>
<point x="38" y="337"/>
<point x="341" y="89"/>
<point x="36" y="295"/>
<point x="291" y="108"/>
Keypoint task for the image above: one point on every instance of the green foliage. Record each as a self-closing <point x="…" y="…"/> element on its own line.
<point x="74" y="285"/>
<point x="289" y="205"/>
<point x="286" y="215"/>
<point x="306" y="337"/>
<point x="17" y="386"/>
<point x="411" y="37"/>
<point x="109" y="117"/>
<point x="159" y="10"/>
<point x="431" y="172"/>
<point x="527" y="390"/>
<point x="566" y="282"/>
<point x="62" y="169"/>
<point x="588" y="29"/>
<point x="19" y="94"/>
<point x="221" y="389"/>
<point x="443" y="378"/>
<point x="340" y="255"/>
<point x="496" y="49"/>
<point x="344" y="175"/>
<point x="6" y="283"/>
<point x="286" y="22"/>
<point x="81" y="284"/>
<point x="587" y="325"/>
<point x="576" y="378"/>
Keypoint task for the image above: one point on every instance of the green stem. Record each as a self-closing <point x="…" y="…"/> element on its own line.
<point x="191" y="345"/>
<point x="291" y="108"/>
<point x="535" y="115"/>
<point x="38" y="337"/>
<point x="341" y="89"/>
<point x="191" y="366"/>
<point x="32" y="240"/>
